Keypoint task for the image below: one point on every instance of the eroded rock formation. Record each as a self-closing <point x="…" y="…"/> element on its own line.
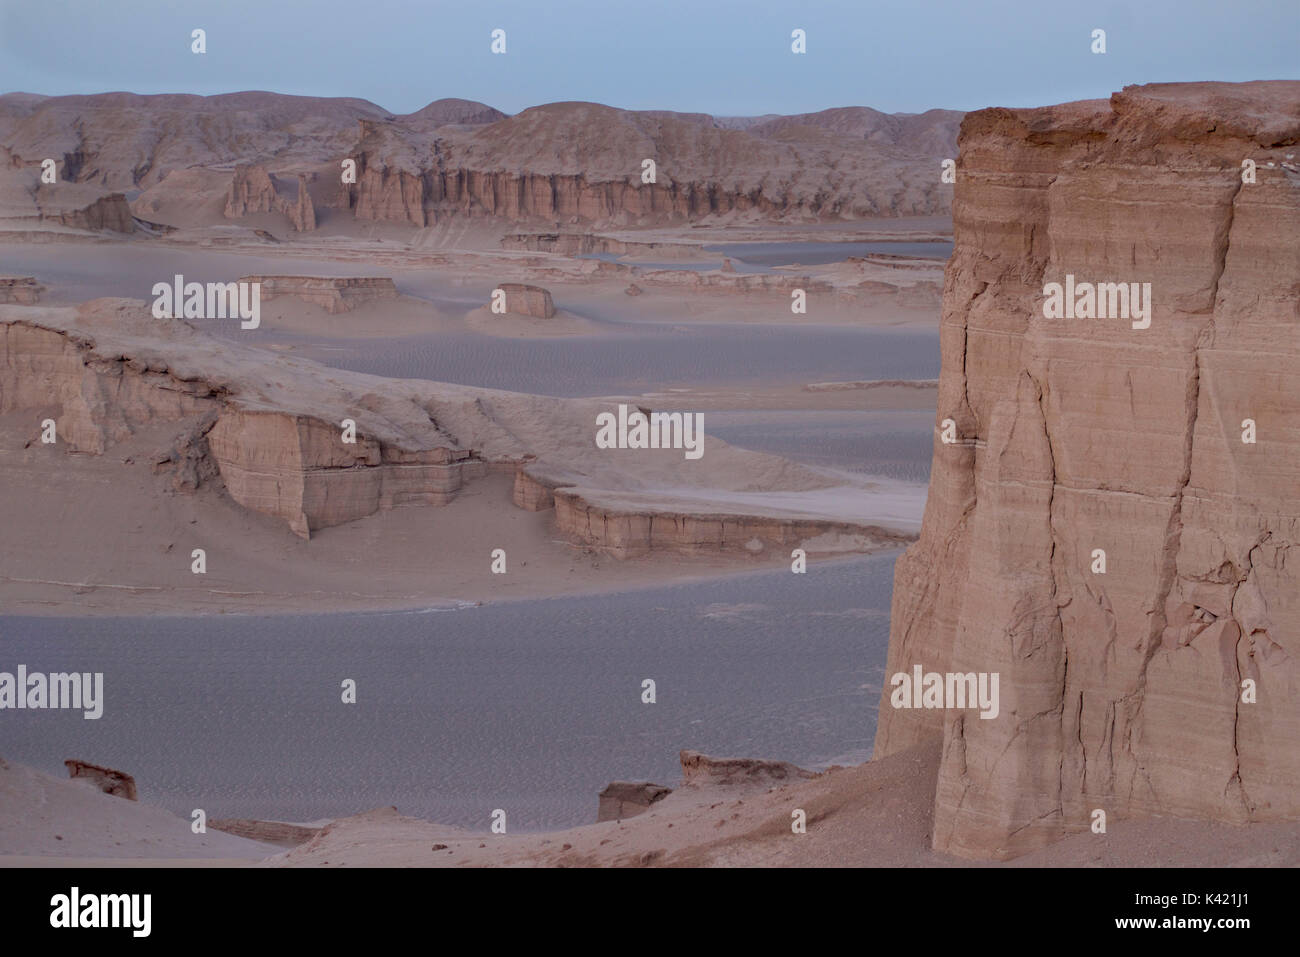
<point x="623" y="799"/>
<point x="703" y="769"/>
<point x="301" y="212"/>
<point x="1169" y="682"/>
<point x="117" y="783"/>
<point x="334" y="294"/>
<point x="251" y="191"/>
<point x="525" y="300"/>
<point x="317" y="447"/>
<point x="268" y="832"/>
<point x="23" y="290"/>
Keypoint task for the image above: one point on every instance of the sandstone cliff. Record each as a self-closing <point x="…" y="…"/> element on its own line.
<point x="570" y="162"/>
<point x="251" y="191"/>
<point x="526" y="300"/>
<point x="583" y="163"/>
<point x="1121" y="690"/>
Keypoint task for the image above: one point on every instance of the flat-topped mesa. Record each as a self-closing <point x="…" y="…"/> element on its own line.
<point x="333" y="294"/>
<point x="1112" y="525"/>
<point x="22" y="290"/>
<point x="525" y="300"/>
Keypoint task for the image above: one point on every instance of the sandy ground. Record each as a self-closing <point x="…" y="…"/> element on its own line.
<point x="465" y="261"/>
<point x="877" y="814"/>
<point x="69" y="519"/>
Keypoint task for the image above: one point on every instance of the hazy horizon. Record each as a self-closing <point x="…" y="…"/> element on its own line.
<point x="725" y="60"/>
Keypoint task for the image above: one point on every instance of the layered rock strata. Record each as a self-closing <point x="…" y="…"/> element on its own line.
<point x="1114" y="526"/>
<point x="333" y="294"/>
<point x="252" y="190"/>
<point x="626" y="529"/>
<point x="525" y="300"/>
<point x="316" y="447"/>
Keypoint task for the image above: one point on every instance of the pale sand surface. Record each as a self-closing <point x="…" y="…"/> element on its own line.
<point x="874" y="815"/>
<point x="70" y="519"/>
<point x="43" y="816"/>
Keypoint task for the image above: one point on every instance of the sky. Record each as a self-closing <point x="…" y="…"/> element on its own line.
<point x="723" y="57"/>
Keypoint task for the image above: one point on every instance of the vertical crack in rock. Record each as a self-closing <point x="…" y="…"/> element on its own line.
<point x="1056" y="589"/>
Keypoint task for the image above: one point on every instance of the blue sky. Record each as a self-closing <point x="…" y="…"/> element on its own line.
<point x="713" y="56"/>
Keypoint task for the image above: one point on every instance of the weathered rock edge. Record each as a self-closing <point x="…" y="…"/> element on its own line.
<point x="271" y="426"/>
<point x="1119" y="691"/>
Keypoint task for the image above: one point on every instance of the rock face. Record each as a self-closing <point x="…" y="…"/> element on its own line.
<point x="570" y="162"/>
<point x="582" y="163"/>
<point x="630" y="528"/>
<point x="622" y="799"/>
<point x="301" y="212"/>
<point x="525" y="300"/>
<point x="116" y="783"/>
<point x="1122" y="688"/>
<point x="251" y="191"/>
<point x="390" y="195"/>
<point x="332" y="293"/>
<point x="108" y="212"/>
<point x="23" y="290"/>
<point x="296" y="468"/>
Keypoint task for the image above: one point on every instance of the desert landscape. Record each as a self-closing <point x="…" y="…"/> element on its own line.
<point x="586" y="486"/>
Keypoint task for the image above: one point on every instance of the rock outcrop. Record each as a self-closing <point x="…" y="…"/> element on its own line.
<point x="267" y="832"/>
<point x="23" y="290"/>
<point x="626" y="526"/>
<point x="251" y="191"/>
<point x="334" y="294"/>
<point x="1115" y="527"/>
<point x="316" y="447"/>
<point x="623" y="799"/>
<point x="525" y="300"/>
<point x="301" y="212"/>
<point x="117" y="783"/>
<point x="108" y="212"/>
<point x="296" y="468"/>
<point x="700" y="769"/>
